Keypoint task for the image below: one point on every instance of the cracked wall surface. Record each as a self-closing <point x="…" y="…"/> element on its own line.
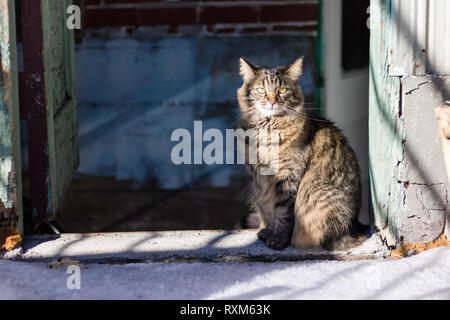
<point x="408" y="179"/>
<point x="422" y="178"/>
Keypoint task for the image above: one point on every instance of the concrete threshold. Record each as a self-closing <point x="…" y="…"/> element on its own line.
<point x="173" y="246"/>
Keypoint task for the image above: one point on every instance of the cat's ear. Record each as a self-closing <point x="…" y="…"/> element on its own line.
<point x="294" y="71"/>
<point x="247" y="70"/>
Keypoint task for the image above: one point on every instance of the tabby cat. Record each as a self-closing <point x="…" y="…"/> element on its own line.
<point x="313" y="199"/>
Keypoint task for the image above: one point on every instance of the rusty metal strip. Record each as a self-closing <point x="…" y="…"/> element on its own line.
<point x="32" y="36"/>
<point x="32" y="99"/>
<point x="33" y="108"/>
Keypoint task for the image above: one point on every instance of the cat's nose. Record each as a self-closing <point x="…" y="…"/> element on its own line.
<point x="272" y="100"/>
<point x="272" y="105"/>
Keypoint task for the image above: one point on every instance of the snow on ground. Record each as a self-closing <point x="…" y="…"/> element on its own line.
<point x="424" y="276"/>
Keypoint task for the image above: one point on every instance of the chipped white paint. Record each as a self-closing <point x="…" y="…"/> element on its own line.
<point x="420" y="33"/>
<point x="6" y="166"/>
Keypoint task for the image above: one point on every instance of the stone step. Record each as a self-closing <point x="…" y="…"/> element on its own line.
<point x="172" y="246"/>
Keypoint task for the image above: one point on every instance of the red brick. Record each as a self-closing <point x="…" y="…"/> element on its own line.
<point x="227" y="30"/>
<point x="233" y="14"/>
<point x="249" y="30"/>
<point x="295" y="28"/>
<point x="279" y="13"/>
<point x="110" y="17"/>
<point x="173" y="16"/>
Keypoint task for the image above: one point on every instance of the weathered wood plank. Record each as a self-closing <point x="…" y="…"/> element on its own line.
<point x="53" y="28"/>
<point x="61" y="91"/>
<point x="10" y="162"/>
<point x="49" y="103"/>
<point x="385" y="128"/>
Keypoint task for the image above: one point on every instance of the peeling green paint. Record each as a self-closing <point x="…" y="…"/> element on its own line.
<point x="385" y="129"/>
<point x="10" y="164"/>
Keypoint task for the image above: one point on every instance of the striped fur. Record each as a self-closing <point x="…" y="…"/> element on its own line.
<point x="314" y="197"/>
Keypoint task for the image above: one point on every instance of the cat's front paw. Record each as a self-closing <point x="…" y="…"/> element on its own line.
<point x="276" y="242"/>
<point x="263" y="234"/>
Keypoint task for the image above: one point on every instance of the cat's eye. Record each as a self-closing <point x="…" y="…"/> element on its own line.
<point x="282" y="90"/>
<point x="261" y="90"/>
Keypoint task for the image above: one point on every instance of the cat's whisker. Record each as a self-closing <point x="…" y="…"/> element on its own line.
<point x="251" y="111"/>
<point x="291" y="109"/>
<point x="244" y="115"/>
<point x="305" y="116"/>
<point x="314" y="119"/>
<point x="233" y="109"/>
<point x="248" y="114"/>
<point x="290" y="112"/>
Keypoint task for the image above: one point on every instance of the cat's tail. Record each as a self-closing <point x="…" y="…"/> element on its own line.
<point x="358" y="235"/>
<point x="346" y="242"/>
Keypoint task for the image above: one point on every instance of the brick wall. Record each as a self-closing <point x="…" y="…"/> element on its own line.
<point x="208" y="17"/>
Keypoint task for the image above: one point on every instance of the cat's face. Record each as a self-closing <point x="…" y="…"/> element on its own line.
<point x="270" y="91"/>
